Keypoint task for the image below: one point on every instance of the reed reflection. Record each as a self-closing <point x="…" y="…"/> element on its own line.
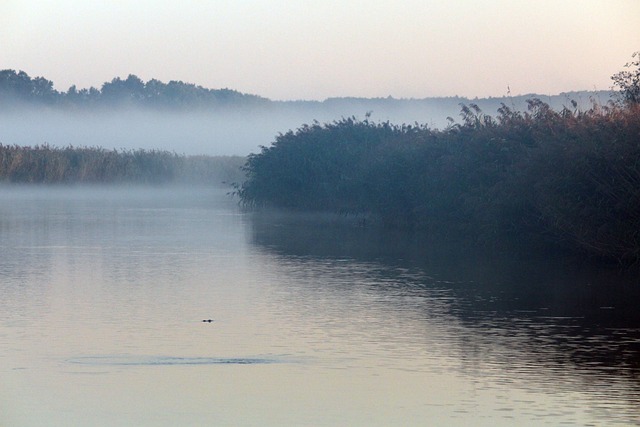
<point x="515" y="313"/>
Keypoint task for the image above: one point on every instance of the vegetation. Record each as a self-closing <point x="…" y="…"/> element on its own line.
<point x="19" y="87"/>
<point x="571" y="176"/>
<point x="19" y="90"/>
<point x="628" y="81"/>
<point x="44" y="164"/>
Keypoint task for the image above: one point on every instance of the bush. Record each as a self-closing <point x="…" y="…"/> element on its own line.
<point x="572" y="175"/>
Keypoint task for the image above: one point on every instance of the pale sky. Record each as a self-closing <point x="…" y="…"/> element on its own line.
<point x="288" y="49"/>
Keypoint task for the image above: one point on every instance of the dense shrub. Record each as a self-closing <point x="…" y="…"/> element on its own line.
<point x="571" y="175"/>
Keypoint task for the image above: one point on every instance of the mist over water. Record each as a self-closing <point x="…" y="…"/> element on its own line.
<point x="231" y="130"/>
<point x="182" y="132"/>
<point x="315" y="321"/>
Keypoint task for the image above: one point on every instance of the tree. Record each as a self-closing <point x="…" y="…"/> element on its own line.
<point x="131" y="90"/>
<point x="19" y="85"/>
<point x="628" y="81"/>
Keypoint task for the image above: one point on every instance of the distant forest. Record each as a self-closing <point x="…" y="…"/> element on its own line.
<point x="19" y="87"/>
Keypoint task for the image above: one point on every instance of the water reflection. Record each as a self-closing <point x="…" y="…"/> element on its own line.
<point x="317" y="322"/>
<point x="520" y="317"/>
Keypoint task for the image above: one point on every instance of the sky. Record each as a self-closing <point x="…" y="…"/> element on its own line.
<point x="313" y="50"/>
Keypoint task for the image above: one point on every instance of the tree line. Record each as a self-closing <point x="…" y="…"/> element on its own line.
<point x="571" y="177"/>
<point x="19" y="87"/>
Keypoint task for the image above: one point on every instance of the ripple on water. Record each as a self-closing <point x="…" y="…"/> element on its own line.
<point x="131" y="360"/>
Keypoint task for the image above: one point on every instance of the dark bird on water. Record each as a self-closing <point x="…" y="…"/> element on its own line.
<point x="207" y="320"/>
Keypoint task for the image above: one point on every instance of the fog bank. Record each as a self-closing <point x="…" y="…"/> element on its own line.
<point x="233" y="130"/>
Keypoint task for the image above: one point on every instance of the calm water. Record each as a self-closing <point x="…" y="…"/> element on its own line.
<point x="316" y="322"/>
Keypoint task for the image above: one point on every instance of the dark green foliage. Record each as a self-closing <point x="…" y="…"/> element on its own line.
<point x="572" y="176"/>
<point x="319" y="166"/>
<point x="44" y="164"/>
<point x="18" y="85"/>
<point x="21" y="88"/>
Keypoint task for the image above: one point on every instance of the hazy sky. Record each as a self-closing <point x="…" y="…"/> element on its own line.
<point x="288" y="49"/>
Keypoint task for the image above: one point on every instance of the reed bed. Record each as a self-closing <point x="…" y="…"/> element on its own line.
<point x="44" y="164"/>
<point x="571" y="177"/>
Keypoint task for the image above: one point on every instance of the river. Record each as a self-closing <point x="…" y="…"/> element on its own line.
<point x="315" y="321"/>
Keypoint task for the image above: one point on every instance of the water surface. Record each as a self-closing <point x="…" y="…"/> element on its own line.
<point x="315" y="321"/>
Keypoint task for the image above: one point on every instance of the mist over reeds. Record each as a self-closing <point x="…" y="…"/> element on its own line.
<point x="43" y="164"/>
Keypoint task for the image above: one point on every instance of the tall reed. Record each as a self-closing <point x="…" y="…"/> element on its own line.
<point x="570" y="175"/>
